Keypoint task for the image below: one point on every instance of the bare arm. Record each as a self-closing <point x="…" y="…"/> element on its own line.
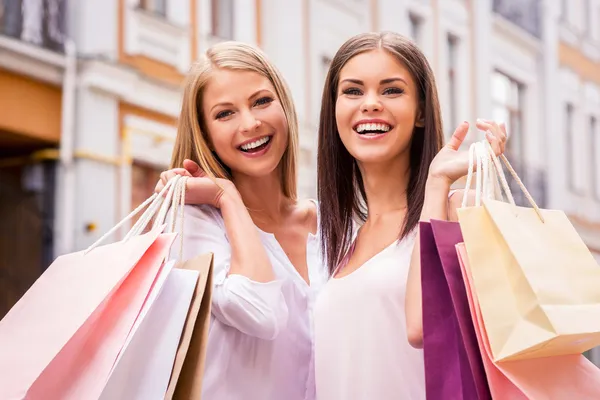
<point x="246" y="294"/>
<point x="434" y="207"/>
<point x="448" y="166"/>
<point x="248" y="255"/>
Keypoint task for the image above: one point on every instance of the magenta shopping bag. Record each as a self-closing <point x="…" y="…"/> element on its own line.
<point x="453" y="364"/>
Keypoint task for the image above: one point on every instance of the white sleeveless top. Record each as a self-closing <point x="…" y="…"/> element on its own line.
<point x="361" y="345"/>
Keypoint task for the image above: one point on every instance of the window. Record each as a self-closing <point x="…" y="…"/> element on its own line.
<point x="593" y="21"/>
<point x="222" y="19"/>
<point x="595" y="157"/>
<point x="570" y="148"/>
<point x="564" y="10"/>
<point x="325" y="64"/>
<point x="452" y="86"/>
<point x="143" y="180"/>
<point x="507" y="107"/>
<point x="158" y="7"/>
<point x="416" y="24"/>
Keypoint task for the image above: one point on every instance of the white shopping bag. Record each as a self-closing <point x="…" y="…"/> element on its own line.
<point x="144" y="366"/>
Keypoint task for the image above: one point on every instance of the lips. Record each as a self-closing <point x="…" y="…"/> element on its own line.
<point x="372" y="127"/>
<point x="255" y="145"/>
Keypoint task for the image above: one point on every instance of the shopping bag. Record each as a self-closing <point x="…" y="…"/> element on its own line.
<point x="536" y="280"/>
<point x="61" y="340"/>
<point x="453" y="364"/>
<point x="188" y="369"/>
<point x="64" y="334"/>
<point x="559" y="377"/>
<point x="143" y="368"/>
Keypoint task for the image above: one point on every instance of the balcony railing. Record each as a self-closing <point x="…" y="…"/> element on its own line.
<point x="39" y="22"/>
<point x="524" y="13"/>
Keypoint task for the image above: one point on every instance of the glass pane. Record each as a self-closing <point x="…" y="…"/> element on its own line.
<point x="500" y="113"/>
<point x="515" y="92"/>
<point x="500" y="87"/>
<point x="595" y="156"/>
<point x="225" y="19"/>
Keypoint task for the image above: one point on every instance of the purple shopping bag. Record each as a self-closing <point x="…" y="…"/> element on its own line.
<point x="453" y="364"/>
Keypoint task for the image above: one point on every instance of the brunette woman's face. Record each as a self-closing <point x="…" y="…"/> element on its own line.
<point x="377" y="107"/>
<point x="245" y="122"/>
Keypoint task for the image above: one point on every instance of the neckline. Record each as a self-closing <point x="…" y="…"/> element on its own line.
<point x="368" y="261"/>
<point x="311" y="237"/>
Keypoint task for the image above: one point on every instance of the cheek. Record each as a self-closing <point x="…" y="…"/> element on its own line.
<point x="403" y="111"/>
<point x="221" y="136"/>
<point x="275" y="117"/>
<point x="343" y="113"/>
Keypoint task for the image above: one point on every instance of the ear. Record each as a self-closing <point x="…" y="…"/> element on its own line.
<point x="420" y="120"/>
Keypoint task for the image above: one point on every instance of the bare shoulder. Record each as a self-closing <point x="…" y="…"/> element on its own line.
<point x="455" y="202"/>
<point x="306" y="212"/>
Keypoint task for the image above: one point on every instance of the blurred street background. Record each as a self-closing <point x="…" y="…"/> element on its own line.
<point x="90" y="94"/>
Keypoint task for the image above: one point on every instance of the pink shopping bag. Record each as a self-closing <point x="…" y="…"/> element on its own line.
<point x="62" y="338"/>
<point x="558" y="377"/>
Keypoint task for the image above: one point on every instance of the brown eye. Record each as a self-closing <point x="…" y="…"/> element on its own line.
<point x="352" y="92"/>
<point x="393" y="91"/>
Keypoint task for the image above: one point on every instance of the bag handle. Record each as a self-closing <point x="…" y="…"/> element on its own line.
<point x="172" y="196"/>
<point x="483" y="152"/>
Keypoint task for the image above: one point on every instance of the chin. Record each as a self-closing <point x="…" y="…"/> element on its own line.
<point x="372" y="155"/>
<point x="259" y="169"/>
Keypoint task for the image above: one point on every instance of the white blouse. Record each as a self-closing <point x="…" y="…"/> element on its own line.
<point x="260" y="343"/>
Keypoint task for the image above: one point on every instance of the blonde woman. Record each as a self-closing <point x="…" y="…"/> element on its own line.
<point x="238" y="139"/>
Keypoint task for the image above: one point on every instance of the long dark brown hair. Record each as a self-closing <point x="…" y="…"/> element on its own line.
<point x="341" y="190"/>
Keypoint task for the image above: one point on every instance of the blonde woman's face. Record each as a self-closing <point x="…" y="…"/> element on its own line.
<point x="245" y="122"/>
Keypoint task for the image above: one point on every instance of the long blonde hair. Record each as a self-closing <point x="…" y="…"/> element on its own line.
<point x="192" y="140"/>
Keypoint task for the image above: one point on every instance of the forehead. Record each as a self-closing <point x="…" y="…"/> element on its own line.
<point x="376" y="65"/>
<point x="227" y="84"/>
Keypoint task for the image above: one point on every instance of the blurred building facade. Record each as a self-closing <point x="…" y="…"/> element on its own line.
<point x="90" y="94"/>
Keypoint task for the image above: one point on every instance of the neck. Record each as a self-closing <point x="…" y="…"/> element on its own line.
<point x="386" y="186"/>
<point x="263" y="196"/>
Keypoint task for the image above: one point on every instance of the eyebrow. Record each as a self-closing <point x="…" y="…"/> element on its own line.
<point x="230" y="104"/>
<point x="382" y="82"/>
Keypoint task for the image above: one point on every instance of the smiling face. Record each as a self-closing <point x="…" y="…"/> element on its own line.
<point x="377" y="107"/>
<point x="245" y="121"/>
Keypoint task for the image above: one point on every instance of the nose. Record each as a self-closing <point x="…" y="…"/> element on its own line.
<point x="371" y="103"/>
<point x="248" y="122"/>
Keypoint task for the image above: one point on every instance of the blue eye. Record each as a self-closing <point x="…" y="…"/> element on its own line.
<point x="263" y="101"/>
<point x="223" y="114"/>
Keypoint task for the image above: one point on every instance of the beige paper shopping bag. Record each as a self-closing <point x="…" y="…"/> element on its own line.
<point x="569" y="376"/>
<point x="188" y="369"/>
<point x="537" y="283"/>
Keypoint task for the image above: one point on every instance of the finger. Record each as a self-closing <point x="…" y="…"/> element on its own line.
<point x="458" y="136"/>
<point x="504" y="137"/>
<point x="493" y="126"/>
<point x="498" y="132"/>
<point x="503" y="129"/>
<point x="484" y="125"/>
<point x="495" y="142"/>
<point x="163" y="177"/>
<point x="159" y="187"/>
<point x="179" y="171"/>
<point x="193" y="168"/>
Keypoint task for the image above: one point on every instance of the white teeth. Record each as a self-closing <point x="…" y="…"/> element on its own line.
<point x="255" y="144"/>
<point x="373" y="127"/>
